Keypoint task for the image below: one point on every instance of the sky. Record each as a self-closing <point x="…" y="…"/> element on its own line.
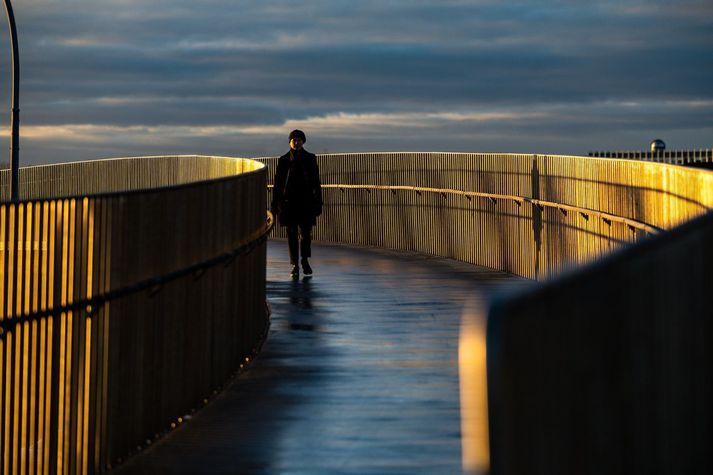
<point x="114" y="78"/>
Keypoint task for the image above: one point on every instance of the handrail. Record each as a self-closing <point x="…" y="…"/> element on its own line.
<point x="632" y="223"/>
<point x="585" y="212"/>
<point x="153" y="284"/>
<point x="95" y="184"/>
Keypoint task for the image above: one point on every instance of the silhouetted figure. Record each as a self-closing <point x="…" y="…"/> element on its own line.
<point x="297" y="200"/>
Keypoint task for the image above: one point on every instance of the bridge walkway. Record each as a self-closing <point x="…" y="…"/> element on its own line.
<point x="359" y="374"/>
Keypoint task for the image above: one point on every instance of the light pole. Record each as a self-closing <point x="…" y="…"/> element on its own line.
<point x="15" y="118"/>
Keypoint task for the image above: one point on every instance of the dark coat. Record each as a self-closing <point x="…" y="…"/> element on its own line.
<point x="297" y="195"/>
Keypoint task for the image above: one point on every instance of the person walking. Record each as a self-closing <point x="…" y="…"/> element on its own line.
<point x="297" y="200"/>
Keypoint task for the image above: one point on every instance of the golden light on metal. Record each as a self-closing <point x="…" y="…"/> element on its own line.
<point x="581" y="207"/>
<point x="65" y="248"/>
<point x="472" y="370"/>
<point x="65" y="262"/>
<point x="580" y="210"/>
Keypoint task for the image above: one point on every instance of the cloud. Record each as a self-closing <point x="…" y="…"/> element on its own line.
<point x="572" y="129"/>
<point x="124" y="76"/>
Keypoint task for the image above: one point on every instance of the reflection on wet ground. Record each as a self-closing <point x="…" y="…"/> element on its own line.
<point x="360" y="374"/>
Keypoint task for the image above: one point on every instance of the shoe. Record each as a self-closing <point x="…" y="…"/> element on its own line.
<point x="295" y="272"/>
<point x="306" y="268"/>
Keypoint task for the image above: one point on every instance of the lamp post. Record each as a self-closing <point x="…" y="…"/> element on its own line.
<point x="15" y="118"/>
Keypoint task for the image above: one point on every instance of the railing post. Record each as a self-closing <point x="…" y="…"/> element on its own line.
<point x="15" y="118"/>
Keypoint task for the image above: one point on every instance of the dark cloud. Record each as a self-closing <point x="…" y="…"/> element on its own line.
<point x="107" y="78"/>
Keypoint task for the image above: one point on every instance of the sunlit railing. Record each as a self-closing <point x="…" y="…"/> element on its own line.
<point x="611" y="358"/>
<point x="131" y="290"/>
<point x="531" y="215"/>
<point x="605" y="369"/>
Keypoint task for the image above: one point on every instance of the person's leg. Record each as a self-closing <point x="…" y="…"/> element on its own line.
<point x="306" y="247"/>
<point x="294" y="247"/>
<point x="306" y="240"/>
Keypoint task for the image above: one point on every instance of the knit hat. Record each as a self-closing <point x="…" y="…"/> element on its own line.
<point x="297" y="134"/>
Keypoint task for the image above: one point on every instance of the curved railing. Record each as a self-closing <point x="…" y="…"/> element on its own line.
<point x="604" y="369"/>
<point x="531" y="215"/>
<point x="132" y="289"/>
<point x="608" y="369"/>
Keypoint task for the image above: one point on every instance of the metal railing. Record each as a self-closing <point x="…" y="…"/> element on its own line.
<point x="122" y="175"/>
<point x="115" y="316"/>
<point x="532" y="215"/>
<point x="674" y="157"/>
<point x="125" y="304"/>
<point x="608" y="369"/>
<point x="605" y="369"/>
<point x="494" y="198"/>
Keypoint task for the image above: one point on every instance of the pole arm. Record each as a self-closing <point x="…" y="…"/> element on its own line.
<point x="15" y="117"/>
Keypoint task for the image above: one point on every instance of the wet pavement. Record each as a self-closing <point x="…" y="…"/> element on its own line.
<point x="359" y="374"/>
